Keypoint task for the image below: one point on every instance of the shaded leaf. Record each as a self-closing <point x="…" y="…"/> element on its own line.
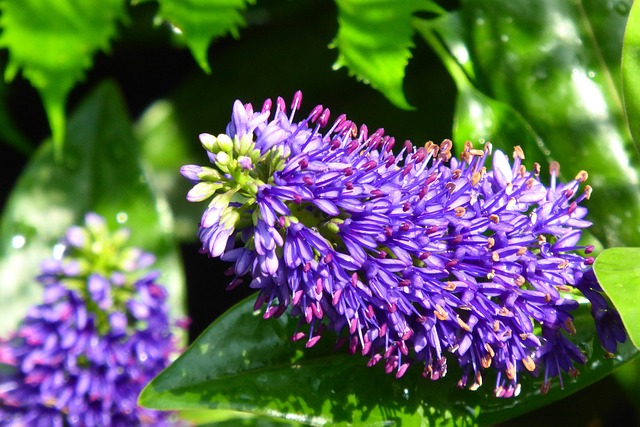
<point x="628" y="377"/>
<point x="9" y="133"/>
<point x="374" y="42"/>
<point x="618" y="272"/>
<point x="201" y="21"/>
<point x="631" y="72"/>
<point x="243" y="363"/>
<point x="52" y="42"/>
<point x="100" y="172"/>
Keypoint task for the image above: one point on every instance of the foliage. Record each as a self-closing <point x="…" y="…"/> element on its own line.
<point x="245" y="365"/>
<point x="544" y="75"/>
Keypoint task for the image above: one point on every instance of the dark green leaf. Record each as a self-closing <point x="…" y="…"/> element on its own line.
<point x="246" y="364"/>
<point x="374" y="42"/>
<point x="618" y="272"/>
<point x="628" y="377"/>
<point x="100" y="172"/>
<point x="9" y="133"/>
<point x="554" y="63"/>
<point x="53" y="43"/>
<point x="200" y="21"/>
<point x="243" y="363"/>
<point x="478" y="118"/>
<point x="631" y="72"/>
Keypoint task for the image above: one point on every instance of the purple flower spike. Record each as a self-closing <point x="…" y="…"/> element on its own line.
<point x="82" y="357"/>
<point x="410" y="256"/>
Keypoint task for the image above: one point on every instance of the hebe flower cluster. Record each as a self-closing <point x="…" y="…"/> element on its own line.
<point x="412" y="256"/>
<point x="102" y="333"/>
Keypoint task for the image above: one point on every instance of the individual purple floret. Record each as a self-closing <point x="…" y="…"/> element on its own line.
<point x="101" y="334"/>
<point x="413" y="254"/>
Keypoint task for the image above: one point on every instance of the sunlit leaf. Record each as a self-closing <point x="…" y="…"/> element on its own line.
<point x="618" y="272"/>
<point x="374" y="42"/>
<point x="224" y="418"/>
<point x="553" y="63"/>
<point x="201" y="21"/>
<point x="100" y="172"/>
<point x="52" y="42"/>
<point x="631" y="72"/>
<point x="243" y="363"/>
<point x="478" y="118"/>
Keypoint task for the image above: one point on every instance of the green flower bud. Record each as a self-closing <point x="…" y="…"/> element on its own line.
<point x="225" y="143"/>
<point x="202" y="191"/>
<point x="208" y="141"/>
<point x="223" y="160"/>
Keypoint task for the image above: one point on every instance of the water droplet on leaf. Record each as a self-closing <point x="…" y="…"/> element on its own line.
<point x="18" y="241"/>
<point x="122" y="217"/>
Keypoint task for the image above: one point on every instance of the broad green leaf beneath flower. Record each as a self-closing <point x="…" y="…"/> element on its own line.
<point x="100" y="172"/>
<point x="200" y="21"/>
<point x="555" y="64"/>
<point x="631" y="72"/>
<point x="618" y="272"/>
<point x="243" y="363"/>
<point x="52" y="42"/>
<point x="223" y="418"/>
<point x="374" y="41"/>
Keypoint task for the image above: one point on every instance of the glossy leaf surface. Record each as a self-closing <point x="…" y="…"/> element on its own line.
<point x="555" y="64"/>
<point x="224" y="418"/>
<point x="53" y="42"/>
<point x="631" y="72"/>
<point x="618" y="272"/>
<point x="200" y="21"/>
<point x="243" y="363"/>
<point x="100" y="172"/>
<point x="478" y="117"/>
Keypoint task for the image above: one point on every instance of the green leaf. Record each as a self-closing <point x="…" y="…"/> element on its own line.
<point x="200" y="21"/>
<point x="618" y="272"/>
<point x="100" y="172"/>
<point x="631" y="72"/>
<point x="477" y="118"/>
<point x="53" y="41"/>
<point x="243" y="363"/>
<point x="628" y="377"/>
<point x="223" y="418"/>
<point x="374" y="42"/>
<point x="166" y="148"/>
<point x="553" y="62"/>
